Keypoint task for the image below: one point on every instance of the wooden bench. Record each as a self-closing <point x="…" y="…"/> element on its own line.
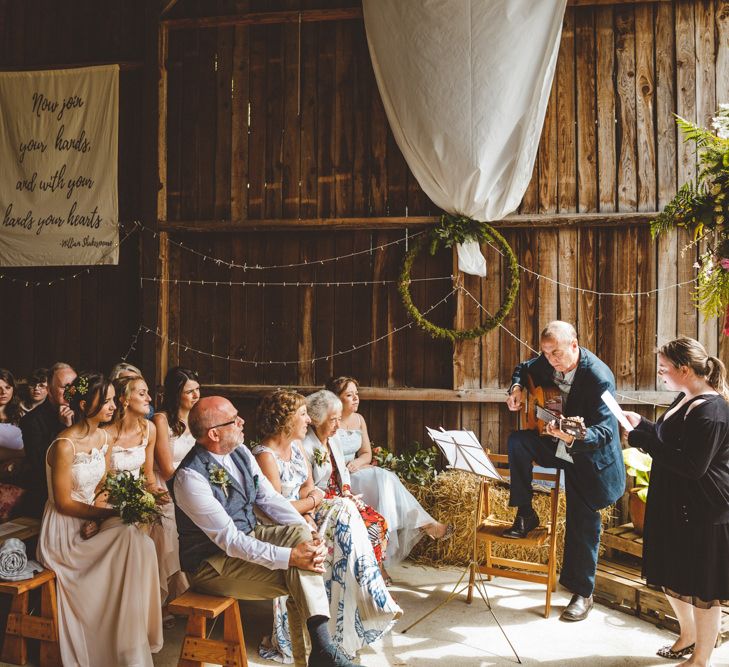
<point x="21" y="626"/>
<point x="196" y="647"/>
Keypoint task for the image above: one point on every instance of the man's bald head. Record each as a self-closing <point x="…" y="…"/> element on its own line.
<point x="215" y="424"/>
<point x="206" y="413"/>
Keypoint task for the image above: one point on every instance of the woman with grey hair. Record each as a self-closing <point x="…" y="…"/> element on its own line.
<point x="329" y="469"/>
<point x="382" y="489"/>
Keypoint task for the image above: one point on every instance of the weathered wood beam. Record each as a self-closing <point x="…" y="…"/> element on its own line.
<point x="486" y="395"/>
<point x="597" y="3"/>
<point x="124" y="65"/>
<point x="167" y="7"/>
<point x="266" y="18"/>
<point x="317" y="15"/>
<point x="551" y="220"/>
<point x="150" y="245"/>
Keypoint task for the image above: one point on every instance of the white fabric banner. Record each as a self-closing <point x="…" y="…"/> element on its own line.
<point x="465" y="84"/>
<point x="58" y="186"/>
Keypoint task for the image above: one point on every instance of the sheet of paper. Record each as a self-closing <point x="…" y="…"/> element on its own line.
<point x="608" y="399"/>
<point x="463" y="451"/>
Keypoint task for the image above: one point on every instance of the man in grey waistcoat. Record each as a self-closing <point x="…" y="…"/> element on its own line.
<point x="225" y="551"/>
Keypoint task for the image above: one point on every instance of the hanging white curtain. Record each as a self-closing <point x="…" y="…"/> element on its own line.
<point x="465" y="85"/>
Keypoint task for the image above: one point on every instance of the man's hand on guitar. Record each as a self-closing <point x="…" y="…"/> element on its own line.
<point x="515" y="400"/>
<point x="552" y="430"/>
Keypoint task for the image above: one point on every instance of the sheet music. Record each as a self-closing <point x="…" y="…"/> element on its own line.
<point x="608" y="399"/>
<point x="463" y="451"/>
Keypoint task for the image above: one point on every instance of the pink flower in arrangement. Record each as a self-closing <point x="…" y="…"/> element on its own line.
<point x="726" y="322"/>
<point x="724" y="263"/>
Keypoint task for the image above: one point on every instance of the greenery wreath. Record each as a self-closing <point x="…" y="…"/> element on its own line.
<point x="454" y="229"/>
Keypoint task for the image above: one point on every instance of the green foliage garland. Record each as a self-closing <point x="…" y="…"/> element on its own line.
<point x="449" y="231"/>
<point x="702" y="207"/>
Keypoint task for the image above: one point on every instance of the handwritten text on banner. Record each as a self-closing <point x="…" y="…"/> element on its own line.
<point x="58" y="185"/>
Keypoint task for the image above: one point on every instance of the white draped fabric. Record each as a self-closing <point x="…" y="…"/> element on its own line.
<point x="465" y="85"/>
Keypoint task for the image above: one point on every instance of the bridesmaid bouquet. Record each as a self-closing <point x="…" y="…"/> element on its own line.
<point x="129" y="496"/>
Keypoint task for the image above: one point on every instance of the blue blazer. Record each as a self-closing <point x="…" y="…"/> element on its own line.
<point x="598" y="461"/>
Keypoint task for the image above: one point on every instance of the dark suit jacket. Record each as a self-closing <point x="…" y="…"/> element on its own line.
<point x="40" y="427"/>
<point x="598" y="459"/>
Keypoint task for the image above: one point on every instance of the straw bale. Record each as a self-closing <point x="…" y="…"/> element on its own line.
<point x="452" y="499"/>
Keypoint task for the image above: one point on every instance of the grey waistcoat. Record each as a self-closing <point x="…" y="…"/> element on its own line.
<point x="195" y="546"/>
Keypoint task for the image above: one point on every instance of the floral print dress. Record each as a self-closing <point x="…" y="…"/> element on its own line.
<point x="373" y="520"/>
<point x="361" y="608"/>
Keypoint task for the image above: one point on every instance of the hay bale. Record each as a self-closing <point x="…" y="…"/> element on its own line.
<point x="452" y="498"/>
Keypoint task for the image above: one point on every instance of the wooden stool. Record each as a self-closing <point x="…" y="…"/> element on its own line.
<point x="196" y="647"/>
<point x="22" y="626"/>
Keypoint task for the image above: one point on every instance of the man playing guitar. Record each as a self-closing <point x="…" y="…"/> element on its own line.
<point x="593" y="465"/>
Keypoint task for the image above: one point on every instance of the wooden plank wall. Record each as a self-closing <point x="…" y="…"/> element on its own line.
<point x="304" y="135"/>
<point x="285" y="121"/>
<point x="89" y="321"/>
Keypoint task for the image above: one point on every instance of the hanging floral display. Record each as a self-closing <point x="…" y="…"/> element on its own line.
<point x="702" y="207"/>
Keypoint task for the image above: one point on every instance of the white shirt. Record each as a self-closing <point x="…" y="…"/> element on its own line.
<point x="194" y="496"/>
<point x="564" y="382"/>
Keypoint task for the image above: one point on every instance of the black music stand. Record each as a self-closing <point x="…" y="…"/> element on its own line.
<point x="463" y="451"/>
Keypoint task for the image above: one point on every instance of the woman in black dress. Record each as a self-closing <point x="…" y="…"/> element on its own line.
<point x="686" y="536"/>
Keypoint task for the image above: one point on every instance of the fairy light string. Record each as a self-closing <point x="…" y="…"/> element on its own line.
<point x="249" y="362"/>
<point x="136" y="226"/>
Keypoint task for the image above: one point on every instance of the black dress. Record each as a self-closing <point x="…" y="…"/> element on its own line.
<point x="686" y="535"/>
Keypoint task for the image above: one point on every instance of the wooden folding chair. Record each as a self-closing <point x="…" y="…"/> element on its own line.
<point x="490" y="529"/>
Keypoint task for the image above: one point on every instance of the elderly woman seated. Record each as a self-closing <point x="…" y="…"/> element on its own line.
<point x="329" y="468"/>
<point x="360" y="606"/>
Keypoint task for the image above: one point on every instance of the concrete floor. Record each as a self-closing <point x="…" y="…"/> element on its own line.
<point x="461" y="635"/>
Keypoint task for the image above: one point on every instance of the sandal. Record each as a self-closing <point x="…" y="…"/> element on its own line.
<point x="670" y="654"/>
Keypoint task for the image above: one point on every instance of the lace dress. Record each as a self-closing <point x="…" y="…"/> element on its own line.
<point x="172" y="580"/>
<point x="108" y="588"/>
<point x="130" y="458"/>
<point x="361" y="607"/>
<point x="383" y="490"/>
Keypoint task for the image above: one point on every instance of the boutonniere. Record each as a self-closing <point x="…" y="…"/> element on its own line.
<point x="219" y="476"/>
<point x="321" y="455"/>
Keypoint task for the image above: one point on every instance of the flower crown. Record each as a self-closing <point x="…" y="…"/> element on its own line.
<point x="79" y="386"/>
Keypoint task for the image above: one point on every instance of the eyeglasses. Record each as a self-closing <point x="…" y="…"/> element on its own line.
<point x="232" y="421"/>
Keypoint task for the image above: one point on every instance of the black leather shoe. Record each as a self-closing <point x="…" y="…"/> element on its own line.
<point x="577" y="609"/>
<point x="329" y="657"/>
<point x="522" y="526"/>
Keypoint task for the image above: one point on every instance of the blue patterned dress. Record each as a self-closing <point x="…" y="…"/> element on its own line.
<point x="361" y="607"/>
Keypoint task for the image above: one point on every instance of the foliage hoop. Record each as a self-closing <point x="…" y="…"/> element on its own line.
<point x="457" y="229"/>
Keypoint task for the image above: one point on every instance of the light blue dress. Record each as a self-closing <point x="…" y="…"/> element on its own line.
<point x="361" y="607"/>
<point x="383" y="490"/>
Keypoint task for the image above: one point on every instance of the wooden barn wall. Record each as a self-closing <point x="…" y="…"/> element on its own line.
<point x="87" y="321"/>
<point x="285" y="121"/>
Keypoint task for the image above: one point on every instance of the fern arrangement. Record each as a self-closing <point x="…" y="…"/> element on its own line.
<point x="703" y="208"/>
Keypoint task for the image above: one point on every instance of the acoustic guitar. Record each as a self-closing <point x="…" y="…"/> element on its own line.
<point x="543" y="405"/>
